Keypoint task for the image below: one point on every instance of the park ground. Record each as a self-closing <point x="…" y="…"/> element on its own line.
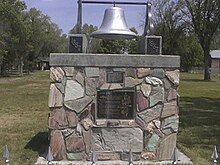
<point x="24" y="116"/>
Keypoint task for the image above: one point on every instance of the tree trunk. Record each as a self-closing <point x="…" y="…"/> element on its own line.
<point x="20" y="65"/>
<point x="207" y="62"/>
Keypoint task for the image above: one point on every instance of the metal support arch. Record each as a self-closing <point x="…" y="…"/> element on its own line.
<point x="147" y="27"/>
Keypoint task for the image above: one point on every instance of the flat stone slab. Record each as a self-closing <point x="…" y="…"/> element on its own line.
<point x="113" y="60"/>
<point x="182" y="159"/>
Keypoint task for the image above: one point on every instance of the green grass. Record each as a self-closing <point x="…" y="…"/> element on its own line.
<point x="199" y="117"/>
<point x="24" y="117"/>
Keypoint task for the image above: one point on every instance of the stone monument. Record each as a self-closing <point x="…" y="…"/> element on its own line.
<point x="114" y="104"/>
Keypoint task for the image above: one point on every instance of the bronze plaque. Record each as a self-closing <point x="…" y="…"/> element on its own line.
<point x="115" y="104"/>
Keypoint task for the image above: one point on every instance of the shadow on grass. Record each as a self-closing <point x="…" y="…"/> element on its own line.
<point x="201" y="110"/>
<point x="199" y="121"/>
<point x="39" y="143"/>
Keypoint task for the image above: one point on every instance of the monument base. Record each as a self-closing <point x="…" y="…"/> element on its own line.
<point x="182" y="159"/>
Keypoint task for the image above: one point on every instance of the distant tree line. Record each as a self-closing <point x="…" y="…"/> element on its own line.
<point x="26" y="36"/>
<point x="190" y="28"/>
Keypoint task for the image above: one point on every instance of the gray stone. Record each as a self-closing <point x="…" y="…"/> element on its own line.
<point x="56" y="74"/>
<point x="69" y="71"/>
<point x="157" y="95"/>
<point x="57" y="145"/>
<point x="74" y="143"/>
<point x="142" y="102"/>
<point x="91" y="86"/>
<point x="118" y="139"/>
<point x="73" y="91"/>
<point x="153" y="81"/>
<point x="167" y="83"/>
<point x="83" y="114"/>
<point x="173" y="76"/>
<point x="55" y="97"/>
<point x="75" y="156"/>
<point x="130" y="72"/>
<point x="170" y="125"/>
<point x="60" y="87"/>
<point x="166" y="147"/>
<point x="58" y="119"/>
<point x="79" y="104"/>
<point x="169" y="109"/>
<point x="92" y="72"/>
<point x="150" y="114"/>
<point x="131" y="82"/>
<point x="102" y="77"/>
<point x="71" y="118"/>
<point x="143" y="72"/>
<point x="126" y="156"/>
<point x="152" y="143"/>
<point x="80" y="78"/>
<point x="114" y="60"/>
<point x="119" y="69"/>
<point x="158" y="73"/>
<point x="146" y="89"/>
<point x="172" y="94"/>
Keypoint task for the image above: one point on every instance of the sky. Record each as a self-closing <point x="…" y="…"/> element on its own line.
<point x="64" y="12"/>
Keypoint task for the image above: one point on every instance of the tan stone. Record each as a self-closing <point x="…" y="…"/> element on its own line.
<point x="57" y="145"/>
<point x="173" y="76"/>
<point x="169" y="109"/>
<point x="148" y="155"/>
<point x="166" y="147"/>
<point x="55" y="97"/>
<point x="80" y="78"/>
<point x="72" y="118"/>
<point x="143" y="72"/>
<point x="146" y="89"/>
<point x="86" y="123"/>
<point x="172" y="94"/>
<point x="87" y="135"/>
<point x="91" y="86"/>
<point x="69" y="71"/>
<point x="75" y="143"/>
<point x="58" y="119"/>
<point x="103" y="156"/>
<point x="56" y="74"/>
<point x="131" y="82"/>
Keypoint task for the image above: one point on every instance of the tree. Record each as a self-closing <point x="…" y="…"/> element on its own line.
<point x="204" y="16"/>
<point x="169" y="24"/>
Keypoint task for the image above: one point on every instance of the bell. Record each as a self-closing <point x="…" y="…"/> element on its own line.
<point x="113" y="26"/>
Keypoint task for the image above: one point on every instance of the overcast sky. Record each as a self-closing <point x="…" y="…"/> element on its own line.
<point x="64" y="12"/>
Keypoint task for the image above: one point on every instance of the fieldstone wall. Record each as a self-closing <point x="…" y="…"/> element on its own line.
<point x="75" y="130"/>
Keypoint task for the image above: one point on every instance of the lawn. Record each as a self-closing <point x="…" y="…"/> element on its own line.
<point x="23" y="116"/>
<point x="199" y="117"/>
<point x="24" y="113"/>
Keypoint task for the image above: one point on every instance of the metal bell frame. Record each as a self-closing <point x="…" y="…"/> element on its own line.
<point x="112" y="33"/>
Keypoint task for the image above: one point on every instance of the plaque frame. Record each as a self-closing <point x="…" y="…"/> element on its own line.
<point x="133" y="104"/>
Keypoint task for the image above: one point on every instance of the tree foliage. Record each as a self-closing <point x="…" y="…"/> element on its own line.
<point x="204" y="16"/>
<point x="26" y="36"/>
